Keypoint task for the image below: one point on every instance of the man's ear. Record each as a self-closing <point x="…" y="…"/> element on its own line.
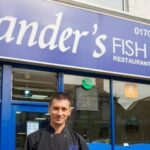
<point x="71" y="108"/>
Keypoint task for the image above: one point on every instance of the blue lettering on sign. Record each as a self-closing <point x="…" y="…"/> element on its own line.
<point x="54" y="34"/>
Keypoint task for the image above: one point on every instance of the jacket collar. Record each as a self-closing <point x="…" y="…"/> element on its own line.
<point x="52" y="130"/>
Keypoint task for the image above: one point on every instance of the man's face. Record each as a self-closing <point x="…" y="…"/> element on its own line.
<point x="59" y="111"/>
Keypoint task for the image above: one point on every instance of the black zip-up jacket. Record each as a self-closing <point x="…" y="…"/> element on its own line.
<point x="46" y="139"/>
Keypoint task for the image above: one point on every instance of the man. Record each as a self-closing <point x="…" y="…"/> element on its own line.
<point x="56" y="136"/>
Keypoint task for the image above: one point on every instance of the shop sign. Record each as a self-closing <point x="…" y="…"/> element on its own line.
<point x="55" y="34"/>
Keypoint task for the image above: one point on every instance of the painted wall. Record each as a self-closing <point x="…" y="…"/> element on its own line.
<point x="140" y="8"/>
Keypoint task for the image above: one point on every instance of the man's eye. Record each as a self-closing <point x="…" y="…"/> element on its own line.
<point x="55" y="108"/>
<point x="64" y="109"/>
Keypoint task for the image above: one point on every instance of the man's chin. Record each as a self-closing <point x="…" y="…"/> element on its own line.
<point x="59" y="123"/>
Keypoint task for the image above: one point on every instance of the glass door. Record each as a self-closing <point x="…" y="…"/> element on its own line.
<point x="27" y="119"/>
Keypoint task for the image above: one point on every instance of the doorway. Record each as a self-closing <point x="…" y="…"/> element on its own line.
<point x="27" y="119"/>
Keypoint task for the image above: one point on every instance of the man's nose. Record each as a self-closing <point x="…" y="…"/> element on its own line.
<point x="59" y="112"/>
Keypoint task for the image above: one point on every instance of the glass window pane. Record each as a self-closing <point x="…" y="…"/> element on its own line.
<point x="33" y="85"/>
<point x="26" y="123"/>
<point x="90" y="115"/>
<point x="132" y="105"/>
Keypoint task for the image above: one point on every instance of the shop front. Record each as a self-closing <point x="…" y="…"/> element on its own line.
<point x="100" y="60"/>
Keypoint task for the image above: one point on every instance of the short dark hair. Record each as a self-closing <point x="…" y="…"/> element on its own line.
<point x="59" y="96"/>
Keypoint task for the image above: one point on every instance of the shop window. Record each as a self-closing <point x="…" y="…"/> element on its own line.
<point x="30" y="85"/>
<point x="117" y="4"/>
<point x="132" y="105"/>
<point x="90" y="102"/>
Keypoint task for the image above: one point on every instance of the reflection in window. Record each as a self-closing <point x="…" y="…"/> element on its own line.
<point x="132" y="105"/>
<point x="33" y="85"/>
<point x="90" y="115"/>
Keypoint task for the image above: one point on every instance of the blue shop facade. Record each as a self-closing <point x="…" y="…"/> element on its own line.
<point x="101" y="60"/>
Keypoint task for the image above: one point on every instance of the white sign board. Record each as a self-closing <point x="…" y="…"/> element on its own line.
<point x="32" y="126"/>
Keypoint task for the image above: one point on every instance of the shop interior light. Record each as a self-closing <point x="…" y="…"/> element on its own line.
<point x="18" y="112"/>
<point x="26" y="93"/>
<point x="40" y="119"/>
<point x="40" y="97"/>
<point x="131" y="90"/>
<point x="47" y="114"/>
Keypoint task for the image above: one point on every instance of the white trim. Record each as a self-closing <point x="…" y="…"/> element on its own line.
<point x="72" y="67"/>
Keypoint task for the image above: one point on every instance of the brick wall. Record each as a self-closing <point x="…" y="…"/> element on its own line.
<point x="140" y="8"/>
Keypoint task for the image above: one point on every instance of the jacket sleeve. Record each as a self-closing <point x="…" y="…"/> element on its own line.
<point x="32" y="141"/>
<point x="29" y="144"/>
<point x="83" y="144"/>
